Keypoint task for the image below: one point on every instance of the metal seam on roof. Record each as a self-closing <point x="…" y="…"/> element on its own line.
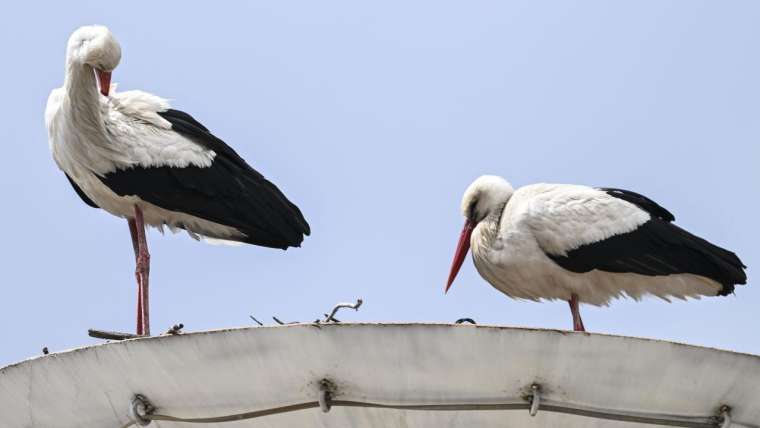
<point x="723" y="420"/>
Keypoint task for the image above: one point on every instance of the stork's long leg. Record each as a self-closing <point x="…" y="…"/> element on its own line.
<point x="142" y="271"/>
<point x="133" y="233"/>
<point x="575" y="309"/>
<point x="136" y="248"/>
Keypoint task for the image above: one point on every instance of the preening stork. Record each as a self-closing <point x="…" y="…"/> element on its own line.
<point x="585" y="245"/>
<point x="134" y="156"/>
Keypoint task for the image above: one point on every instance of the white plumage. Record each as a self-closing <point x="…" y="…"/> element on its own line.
<point x="133" y="134"/>
<point x="557" y="241"/>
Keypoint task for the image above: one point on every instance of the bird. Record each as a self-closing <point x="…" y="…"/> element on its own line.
<point x="134" y="156"/>
<point x="585" y="245"/>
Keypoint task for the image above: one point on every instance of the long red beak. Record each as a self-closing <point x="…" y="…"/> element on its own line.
<point x="104" y="81"/>
<point x="462" y="247"/>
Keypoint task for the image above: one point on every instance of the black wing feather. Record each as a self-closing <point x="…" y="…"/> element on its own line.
<point x="657" y="247"/>
<point x="653" y="208"/>
<point x="229" y="192"/>
<point x="81" y="194"/>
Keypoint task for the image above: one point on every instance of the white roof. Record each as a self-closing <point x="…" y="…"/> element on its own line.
<point x="226" y="372"/>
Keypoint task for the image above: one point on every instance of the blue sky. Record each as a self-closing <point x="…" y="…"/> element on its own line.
<point x="374" y="119"/>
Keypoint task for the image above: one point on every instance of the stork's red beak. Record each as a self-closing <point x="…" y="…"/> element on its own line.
<point x="462" y="247"/>
<point x="104" y="81"/>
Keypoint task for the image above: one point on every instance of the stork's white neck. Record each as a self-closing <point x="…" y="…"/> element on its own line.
<point x="80" y="81"/>
<point x="83" y="98"/>
<point x="487" y="229"/>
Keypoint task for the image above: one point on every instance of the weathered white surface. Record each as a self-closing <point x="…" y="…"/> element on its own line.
<point x="232" y="371"/>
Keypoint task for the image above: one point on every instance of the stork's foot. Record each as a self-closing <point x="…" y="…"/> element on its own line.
<point x="578" y="325"/>
<point x="575" y="309"/>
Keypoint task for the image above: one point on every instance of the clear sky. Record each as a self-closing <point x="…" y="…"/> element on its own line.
<point x="374" y="119"/>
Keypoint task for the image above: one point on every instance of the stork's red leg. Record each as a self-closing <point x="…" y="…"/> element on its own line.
<point x="575" y="309"/>
<point x="135" y="247"/>
<point x="133" y="234"/>
<point x="142" y="271"/>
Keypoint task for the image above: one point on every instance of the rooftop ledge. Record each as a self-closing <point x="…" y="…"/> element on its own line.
<point x="367" y="374"/>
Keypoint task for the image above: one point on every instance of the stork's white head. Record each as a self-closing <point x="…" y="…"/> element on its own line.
<point x="95" y="46"/>
<point x="486" y="196"/>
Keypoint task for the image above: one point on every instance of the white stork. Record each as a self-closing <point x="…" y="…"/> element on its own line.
<point x="132" y="155"/>
<point x="585" y="245"/>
